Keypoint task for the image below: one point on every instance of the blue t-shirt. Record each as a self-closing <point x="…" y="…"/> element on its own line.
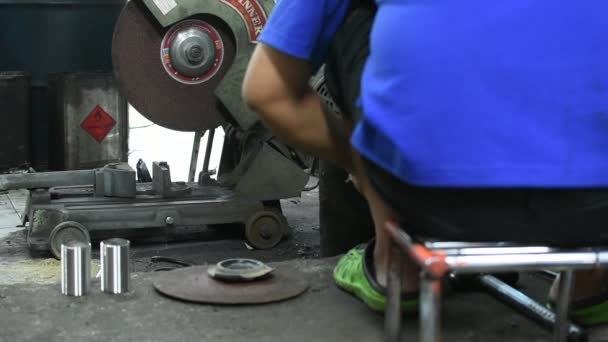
<point x="483" y="94"/>
<point x="304" y="29"/>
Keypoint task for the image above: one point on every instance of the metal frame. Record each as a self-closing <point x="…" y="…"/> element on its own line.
<point x="195" y="151"/>
<point x="437" y="259"/>
<point x="109" y="199"/>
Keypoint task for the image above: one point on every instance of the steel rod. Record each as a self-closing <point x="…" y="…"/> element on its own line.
<point x="602" y="257"/>
<point x="522" y="262"/>
<point x="392" y="322"/>
<point x="196" y="145"/>
<point x="208" y="150"/>
<point x="430" y="317"/>
<point x="444" y="245"/>
<point x="566" y="280"/>
<point x="46" y="179"/>
<point x="497" y="250"/>
<point x="527" y="306"/>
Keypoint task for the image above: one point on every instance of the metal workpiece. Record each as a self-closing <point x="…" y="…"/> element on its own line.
<point x="75" y="268"/>
<point x="46" y="179"/>
<point x="112" y="180"/>
<point x="115" y="269"/>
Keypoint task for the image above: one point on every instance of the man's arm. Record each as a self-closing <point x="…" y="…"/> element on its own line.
<point x="276" y="87"/>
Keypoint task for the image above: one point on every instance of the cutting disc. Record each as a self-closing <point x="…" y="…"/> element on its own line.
<point x="169" y="74"/>
<point x="193" y="284"/>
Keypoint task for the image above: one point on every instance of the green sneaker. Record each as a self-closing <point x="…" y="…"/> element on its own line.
<point x="588" y="312"/>
<point x="591" y="315"/>
<point x="352" y="274"/>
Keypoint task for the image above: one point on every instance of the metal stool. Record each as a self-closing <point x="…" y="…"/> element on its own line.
<point x="437" y="259"/>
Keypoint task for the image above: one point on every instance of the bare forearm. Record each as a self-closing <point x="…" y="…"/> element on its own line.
<point x="307" y="124"/>
<point x="276" y="87"/>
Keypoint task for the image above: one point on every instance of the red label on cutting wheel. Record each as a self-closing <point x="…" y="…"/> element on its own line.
<point x="252" y="14"/>
<point x="98" y="124"/>
<point x="168" y="40"/>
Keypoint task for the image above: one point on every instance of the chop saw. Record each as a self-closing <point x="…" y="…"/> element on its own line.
<point x="181" y="64"/>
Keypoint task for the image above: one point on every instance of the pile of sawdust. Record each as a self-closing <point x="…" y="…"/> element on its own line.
<point x="45" y="271"/>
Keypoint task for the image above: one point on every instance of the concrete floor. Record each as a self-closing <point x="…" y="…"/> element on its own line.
<point x="11" y="207"/>
<point x="32" y="308"/>
<point x="39" y="312"/>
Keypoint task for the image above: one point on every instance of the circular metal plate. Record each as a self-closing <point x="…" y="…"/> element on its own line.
<point x="148" y="86"/>
<point x="193" y="284"/>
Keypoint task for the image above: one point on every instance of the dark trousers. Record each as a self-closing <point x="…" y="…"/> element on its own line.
<point x="560" y="217"/>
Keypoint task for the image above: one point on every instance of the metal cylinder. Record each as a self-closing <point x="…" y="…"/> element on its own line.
<point x="115" y="273"/>
<point x="75" y="268"/>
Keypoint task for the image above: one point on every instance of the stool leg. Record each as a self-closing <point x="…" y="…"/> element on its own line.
<point x="392" y="320"/>
<point x="430" y="320"/>
<point x="563" y="303"/>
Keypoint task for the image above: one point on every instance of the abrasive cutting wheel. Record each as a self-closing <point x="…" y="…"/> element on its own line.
<point x="169" y="74"/>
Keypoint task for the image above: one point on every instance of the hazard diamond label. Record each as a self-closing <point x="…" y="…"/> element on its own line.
<point x="98" y="123"/>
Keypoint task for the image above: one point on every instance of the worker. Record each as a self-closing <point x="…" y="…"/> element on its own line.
<point x="476" y="121"/>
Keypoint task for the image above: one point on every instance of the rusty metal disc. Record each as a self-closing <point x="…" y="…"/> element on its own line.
<point x="193" y="284"/>
<point x="146" y="65"/>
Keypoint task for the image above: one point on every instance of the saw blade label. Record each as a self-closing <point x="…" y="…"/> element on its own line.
<point x="165" y="6"/>
<point x="253" y="15"/>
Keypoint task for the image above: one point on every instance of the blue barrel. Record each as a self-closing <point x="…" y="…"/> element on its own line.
<point x="45" y="37"/>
